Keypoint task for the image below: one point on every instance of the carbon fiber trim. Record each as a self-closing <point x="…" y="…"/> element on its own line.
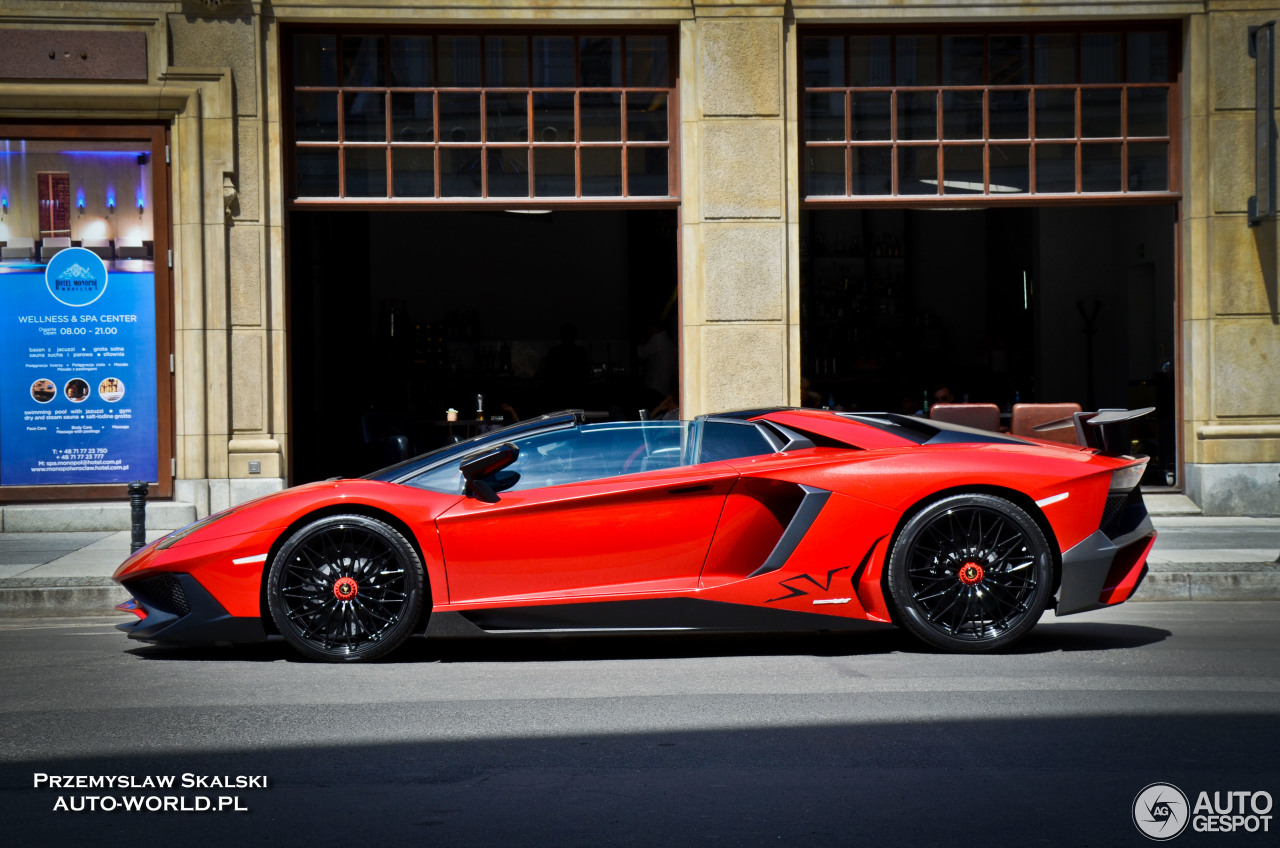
<point x="655" y="615"/>
<point x="201" y="620"/>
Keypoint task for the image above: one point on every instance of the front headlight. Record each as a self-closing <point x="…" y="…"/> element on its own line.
<point x="178" y="535"/>
<point x="1124" y="479"/>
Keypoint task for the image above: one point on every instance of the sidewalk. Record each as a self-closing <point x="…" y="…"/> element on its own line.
<point x="1195" y="558"/>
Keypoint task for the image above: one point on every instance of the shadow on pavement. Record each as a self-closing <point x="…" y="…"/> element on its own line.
<point x="958" y="782"/>
<point x="1046" y="638"/>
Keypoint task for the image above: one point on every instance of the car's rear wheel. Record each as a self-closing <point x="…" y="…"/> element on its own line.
<point x="970" y="573"/>
<point x="346" y="588"/>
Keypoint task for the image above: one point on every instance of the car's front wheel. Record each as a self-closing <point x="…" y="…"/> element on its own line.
<point x="346" y="588"/>
<point x="970" y="573"/>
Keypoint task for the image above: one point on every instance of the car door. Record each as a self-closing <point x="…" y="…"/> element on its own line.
<point x="573" y="527"/>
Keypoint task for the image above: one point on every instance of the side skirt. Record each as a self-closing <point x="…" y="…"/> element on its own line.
<point x="659" y="615"/>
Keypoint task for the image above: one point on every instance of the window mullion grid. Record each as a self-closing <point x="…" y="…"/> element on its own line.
<point x="1032" y="136"/>
<point x="848" y="135"/>
<point x="674" y="170"/>
<point x="1079" y="113"/>
<point x="528" y="123"/>
<point x="1079" y="129"/>
<point x="622" y="100"/>
<point x="1124" y="116"/>
<point x="1124" y="132"/>
<point x="938" y="163"/>
<point x="577" y="137"/>
<point x="847" y="157"/>
<point x="435" y="60"/>
<point x="342" y="144"/>
<point x="483" y="148"/>
<point x="484" y="131"/>
<point x="389" y="191"/>
<point x="893" y="140"/>
<point x="435" y="133"/>
<point x="1033" y="139"/>
<point x="386" y="128"/>
<point x="986" y="116"/>
<point x="986" y="136"/>
<point x="342" y="128"/>
<point x="577" y="116"/>
<point x="528" y="75"/>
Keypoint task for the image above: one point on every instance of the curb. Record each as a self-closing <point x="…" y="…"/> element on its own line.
<point x="68" y="596"/>
<point x="1262" y="584"/>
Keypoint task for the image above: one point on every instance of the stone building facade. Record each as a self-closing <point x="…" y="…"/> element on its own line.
<point x="213" y="77"/>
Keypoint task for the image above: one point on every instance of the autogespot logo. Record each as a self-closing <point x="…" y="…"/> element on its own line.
<point x="1160" y="811"/>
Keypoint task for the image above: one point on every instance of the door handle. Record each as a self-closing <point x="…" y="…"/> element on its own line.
<point x="689" y="490"/>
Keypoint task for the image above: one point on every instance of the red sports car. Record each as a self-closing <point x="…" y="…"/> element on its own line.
<point x="770" y="519"/>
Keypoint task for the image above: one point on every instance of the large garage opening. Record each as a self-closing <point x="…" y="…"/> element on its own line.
<point x="991" y="216"/>
<point x="398" y="317"/>
<point x="1050" y="304"/>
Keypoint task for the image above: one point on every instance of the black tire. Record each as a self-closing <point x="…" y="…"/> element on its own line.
<point x="970" y="573"/>
<point x="346" y="588"/>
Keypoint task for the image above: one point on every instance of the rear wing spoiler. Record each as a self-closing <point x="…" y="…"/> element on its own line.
<point x="1099" y="430"/>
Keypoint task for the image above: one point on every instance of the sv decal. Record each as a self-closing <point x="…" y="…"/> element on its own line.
<point x="795" y="585"/>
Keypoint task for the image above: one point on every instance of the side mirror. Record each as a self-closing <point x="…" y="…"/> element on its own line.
<point x="477" y="466"/>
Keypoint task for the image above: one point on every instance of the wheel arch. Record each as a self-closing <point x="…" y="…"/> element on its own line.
<point x="366" y="510"/>
<point x="1015" y="497"/>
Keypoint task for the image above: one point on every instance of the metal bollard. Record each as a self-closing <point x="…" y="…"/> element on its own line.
<point x="137" y="515"/>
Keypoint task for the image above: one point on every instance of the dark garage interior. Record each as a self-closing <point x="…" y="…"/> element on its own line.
<point x="396" y="317"/>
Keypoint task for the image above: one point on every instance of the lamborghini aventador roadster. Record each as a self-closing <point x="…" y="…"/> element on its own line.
<point x="762" y="520"/>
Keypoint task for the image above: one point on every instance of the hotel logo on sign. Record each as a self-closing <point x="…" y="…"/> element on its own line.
<point x="76" y="277"/>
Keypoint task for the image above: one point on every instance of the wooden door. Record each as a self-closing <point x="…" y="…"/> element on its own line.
<point x="55" y="204"/>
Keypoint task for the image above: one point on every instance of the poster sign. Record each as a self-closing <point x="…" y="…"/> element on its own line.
<point x="78" y="372"/>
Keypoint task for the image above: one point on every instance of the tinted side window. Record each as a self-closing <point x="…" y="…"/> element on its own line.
<point x="575" y="455"/>
<point x="596" y="451"/>
<point x="446" y="479"/>
<point x="731" y="440"/>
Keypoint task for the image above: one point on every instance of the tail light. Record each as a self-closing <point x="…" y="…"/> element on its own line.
<point x="1124" y="479"/>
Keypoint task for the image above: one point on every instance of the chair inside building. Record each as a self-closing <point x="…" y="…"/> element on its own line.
<point x="980" y="416"/>
<point x="130" y="248"/>
<point x="21" y="249"/>
<point x="1028" y="416"/>
<point x="100" y="246"/>
<point x="51" y="246"/>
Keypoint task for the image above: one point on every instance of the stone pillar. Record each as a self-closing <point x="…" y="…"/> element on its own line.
<point x="241" y="334"/>
<point x="1231" y="309"/>
<point x="740" y="330"/>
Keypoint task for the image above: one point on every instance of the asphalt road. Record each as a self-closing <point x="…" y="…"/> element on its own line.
<point x="798" y="740"/>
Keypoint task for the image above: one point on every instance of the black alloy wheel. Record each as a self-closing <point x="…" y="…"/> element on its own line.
<point x="346" y="588"/>
<point x="970" y="573"/>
